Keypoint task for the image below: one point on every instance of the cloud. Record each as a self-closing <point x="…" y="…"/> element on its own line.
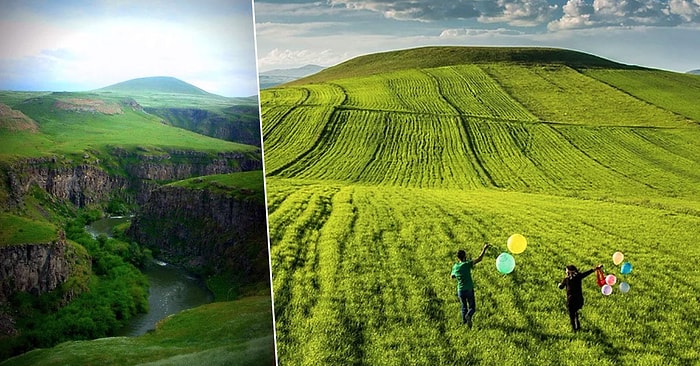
<point x="531" y="13"/>
<point x="514" y="12"/>
<point x="626" y="13"/>
<point x="466" y="32"/>
<point x="287" y="58"/>
<point x="521" y="13"/>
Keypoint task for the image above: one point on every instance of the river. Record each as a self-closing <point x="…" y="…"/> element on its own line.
<point x="171" y="289"/>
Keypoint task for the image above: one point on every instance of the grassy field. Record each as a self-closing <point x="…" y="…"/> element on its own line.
<point x="388" y="174"/>
<point x="69" y="130"/>
<point x="242" y="185"/>
<point x="222" y="333"/>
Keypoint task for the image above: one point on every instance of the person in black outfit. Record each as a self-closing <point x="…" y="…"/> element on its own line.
<point x="574" y="295"/>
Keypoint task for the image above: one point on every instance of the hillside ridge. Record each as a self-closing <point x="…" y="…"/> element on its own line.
<point x="160" y="84"/>
<point x="438" y="56"/>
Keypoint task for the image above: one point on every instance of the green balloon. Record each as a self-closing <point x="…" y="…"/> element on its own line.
<point x="505" y="263"/>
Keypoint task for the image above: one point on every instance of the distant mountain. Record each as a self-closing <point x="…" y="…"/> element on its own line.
<point x="157" y="84"/>
<point x="280" y="76"/>
<point x="694" y="72"/>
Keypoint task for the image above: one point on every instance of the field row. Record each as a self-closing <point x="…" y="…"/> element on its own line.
<point x="508" y="92"/>
<point x="410" y="150"/>
<point x="561" y="94"/>
<point x="377" y="263"/>
<point x="674" y="91"/>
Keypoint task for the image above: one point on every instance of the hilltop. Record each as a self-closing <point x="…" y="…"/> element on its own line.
<point x="428" y="57"/>
<point x="156" y="84"/>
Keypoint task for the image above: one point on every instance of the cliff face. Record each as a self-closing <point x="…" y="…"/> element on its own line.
<point x="81" y="185"/>
<point x="198" y="227"/>
<point x="87" y="184"/>
<point x="40" y="268"/>
<point x="239" y="124"/>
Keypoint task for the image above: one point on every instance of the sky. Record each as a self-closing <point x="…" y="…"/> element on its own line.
<point x="663" y="34"/>
<point x="81" y="45"/>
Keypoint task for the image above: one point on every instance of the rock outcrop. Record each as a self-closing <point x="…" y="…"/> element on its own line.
<point x="89" y="182"/>
<point x="239" y="124"/>
<point x="198" y="228"/>
<point x="39" y="268"/>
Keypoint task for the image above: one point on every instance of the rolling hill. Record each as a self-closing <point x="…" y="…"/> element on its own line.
<point x="155" y="84"/>
<point x="380" y="168"/>
<point x="183" y="105"/>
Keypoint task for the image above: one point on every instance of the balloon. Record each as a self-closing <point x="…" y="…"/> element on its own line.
<point x="610" y="279"/>
<point x="505" y="263"/>
<point x="626" y="268"/>
<point x="606" y="290"/>
<point x="624" y="287"/>
<point x="517" y="243"/>
<point x="618" y="258"/>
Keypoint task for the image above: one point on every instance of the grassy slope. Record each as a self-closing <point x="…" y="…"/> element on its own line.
<point x="427" y="57"/>
<point x="397" y="162"/>
<point x="71" y="132"/>
<point x="242" y="185"/>
<point x="223" y="333"/>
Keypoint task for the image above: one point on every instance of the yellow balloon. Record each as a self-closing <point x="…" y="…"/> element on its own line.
<point x="618" y="258"/>
<point x="517" y="243"/>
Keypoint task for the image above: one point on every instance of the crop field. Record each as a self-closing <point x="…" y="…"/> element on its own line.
<point x="370" y="198"/>
<point x="676" y="92"/>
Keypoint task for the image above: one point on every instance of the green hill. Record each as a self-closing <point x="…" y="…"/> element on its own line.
<point x="72" y="123"/>
<point x="155" y="84"/>
<point x="380" y="168"/>
<point x="428" y="57"/>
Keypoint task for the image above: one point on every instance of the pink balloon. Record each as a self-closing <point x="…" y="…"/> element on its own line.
<point x="606" y="290"/>
<point x="610" y="279"/>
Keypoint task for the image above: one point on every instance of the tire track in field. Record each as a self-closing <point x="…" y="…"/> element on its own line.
<point x="596" y="161"/>
<point x="468" y="142"/>
<point x="329" y="130"/>
<point x="306" y="94"/>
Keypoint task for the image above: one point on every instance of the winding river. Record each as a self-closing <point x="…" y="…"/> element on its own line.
<point x="171" y="289"/>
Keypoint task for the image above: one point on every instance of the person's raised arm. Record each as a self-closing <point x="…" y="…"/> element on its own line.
<point x="584" y="274"/>
<point x="481" y="255"/>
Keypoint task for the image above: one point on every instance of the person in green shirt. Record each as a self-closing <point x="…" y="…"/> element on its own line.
<point x="462" y="271"/>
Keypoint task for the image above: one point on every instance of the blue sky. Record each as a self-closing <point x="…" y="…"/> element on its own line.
<point x="83" y="45"/>
<point x="662" y="34"/>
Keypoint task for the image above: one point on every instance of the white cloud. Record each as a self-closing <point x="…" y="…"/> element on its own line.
<point x="287" y="58"/>
<point x="466" y="32"/>
<point x="688" y="10"/>
<point x="605" y="13"/>
<point x="521" y="13"/>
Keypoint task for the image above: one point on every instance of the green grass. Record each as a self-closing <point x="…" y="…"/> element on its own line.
<point x="371" y="193"/>
<point x="71" y="132"/>
<point x="429" y="57"/>
<point x="241" y="185"/>
<point x="223" y="333"/>
<point x="21" y="230"/>
<point x="672" y="91"/>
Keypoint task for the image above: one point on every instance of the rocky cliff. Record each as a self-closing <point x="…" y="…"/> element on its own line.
<point x="131" y="175"/>
<point x="238" y="123"/>
<point x="41" y="267"/>
<point x="200" y="228"/>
